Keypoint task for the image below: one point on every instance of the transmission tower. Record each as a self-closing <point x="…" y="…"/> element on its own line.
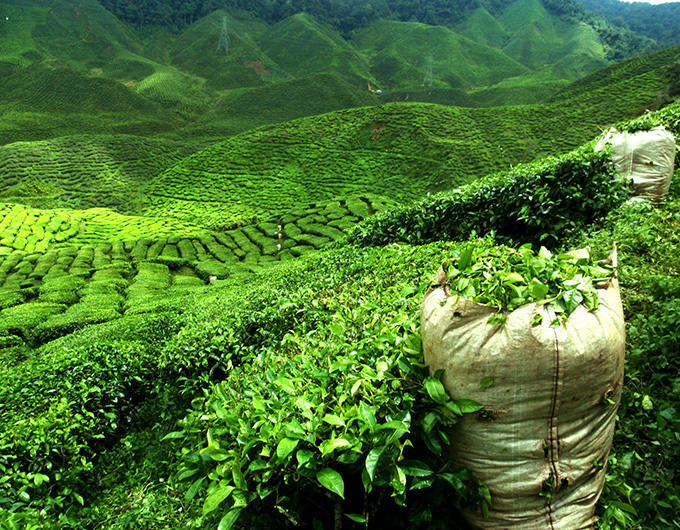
<point x="224" y="37"/>
<point x="428" y="73"/>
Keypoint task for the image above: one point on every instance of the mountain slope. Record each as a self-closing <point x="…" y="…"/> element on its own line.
<point x="195" y="51"/>
<point x="51" y="99"/>
<point x="400" y="52"/>
<point x="537" y="39"/>
<point x="85" y="171"/>
<point x="401" y="151"/>
<point x="660" y="22"/>
<point x="300" y="45"/>
<point x="309" y="95"/>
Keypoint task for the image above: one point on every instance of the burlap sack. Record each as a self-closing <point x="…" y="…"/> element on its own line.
<point x="542" y="443"/>
<point x="647" y="157"/>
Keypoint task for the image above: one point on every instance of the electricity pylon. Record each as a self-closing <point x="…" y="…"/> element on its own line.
<point x="224" y="37"/>
<point x="429" y="78"/>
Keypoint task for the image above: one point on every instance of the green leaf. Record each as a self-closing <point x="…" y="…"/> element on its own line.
<point x="332" y="419"/>
<point x="572" y="299"/>
<point x="191" y="492"/>
<point x="337" y="329"/>
<point x="398" y="481"/>
<point x="420" y="483"/>
<point x="415" y="468"/>
<point x="332" y="480"/>
<point x="468" y="405"/>
<point x="217" y="454"/>
<point x="538" y="290"/>
<point x="285" y="447"/>
<point x="456" y="482"/>
<point x="513" y="277"/>
<point x="239" y="479"/>
<point x="258" y="465"/>
<point x="329" y="446"/>
<point x="367" y="414"/>
<point x="303" y="456"/>
<point x="486" y="382"/>
<point x="216" y="498"/>
<point x="356" y="517"/>
<point x="286" y="384"/>
<point x="465" y="259"/>
<point x="229" y="519"/>
<point x="435" y="389"/>
<point x="624" y="507"/>
<point x="429" y="422"/>
<point x="372" y="460"/>
<point x="497" y="319"/>
<point x="173" y="435"/>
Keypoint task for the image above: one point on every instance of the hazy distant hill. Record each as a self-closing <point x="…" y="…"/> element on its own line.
<point x="400" y="53"/>
<point x="659" y="22"/>
<point x="511" y="52"/>
<point x="400" y="151"/>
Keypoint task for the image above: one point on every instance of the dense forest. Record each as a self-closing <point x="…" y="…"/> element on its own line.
<point x="347" y="16"/>
<point x="658" y="22"/>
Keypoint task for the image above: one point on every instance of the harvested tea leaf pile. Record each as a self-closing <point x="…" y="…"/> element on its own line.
<point x="507" y="278"/>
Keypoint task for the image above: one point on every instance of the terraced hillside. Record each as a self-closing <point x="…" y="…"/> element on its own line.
<point x="51" y="99"/>
<point x="241" y="110"/>
<point x="400" y="53"/>
<point x="82" y="32"/>
<point x="85" y="171"/>
<point x="300" y="45"/>
<point x="246" y="64"/>
<point x="537" y="39"/>
<point x="63" y="62"/>
<point x="633" y="77"/>
<point x="61" y="270"/>
<point x="402" y="151"/>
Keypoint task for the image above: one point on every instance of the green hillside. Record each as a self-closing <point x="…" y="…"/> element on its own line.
<point x="480" y="26"/>
<point x="300" y="45"/>
<point x="49" y="100"/>
<point x="658" y="66"/>
<point x="538" y="40"/>
<point x="83" y="33"/>
<point x="400" y="51"/>
<point x="401" y="151"/>
<point x="245" y="109"/>
<point x="136" y="345"/>
<point x="660" y="22"/>
<point x="526" y="89"/>
<point x="85" y="171"/>
<point x="195" y="50"/>
<point x="212" y="264"/>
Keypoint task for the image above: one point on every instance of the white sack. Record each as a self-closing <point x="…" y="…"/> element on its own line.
<point x="553" y="402"/>
<point x="645" y="156"/>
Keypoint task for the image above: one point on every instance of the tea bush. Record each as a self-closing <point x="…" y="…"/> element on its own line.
<point x="641" y="489"/>
<point x="540" y="202"/>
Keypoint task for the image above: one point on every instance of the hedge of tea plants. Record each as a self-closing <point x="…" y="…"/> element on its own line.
<point x="540" y="202"/>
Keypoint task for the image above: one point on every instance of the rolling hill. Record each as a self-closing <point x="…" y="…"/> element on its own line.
<point x="520" y="54"/>
<point x="400" y="52"/>
<point x="401" y="151"/>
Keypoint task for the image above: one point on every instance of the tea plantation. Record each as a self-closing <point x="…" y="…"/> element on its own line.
<point x="211" y="265"/>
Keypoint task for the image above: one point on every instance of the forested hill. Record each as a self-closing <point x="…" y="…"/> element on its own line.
<point x="659" y="22"/>
<point x="347" y="16"/>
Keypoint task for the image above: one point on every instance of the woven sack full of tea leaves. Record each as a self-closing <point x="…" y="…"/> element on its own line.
<point x="647" y="157"/>
<point x="548" y="372"/>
